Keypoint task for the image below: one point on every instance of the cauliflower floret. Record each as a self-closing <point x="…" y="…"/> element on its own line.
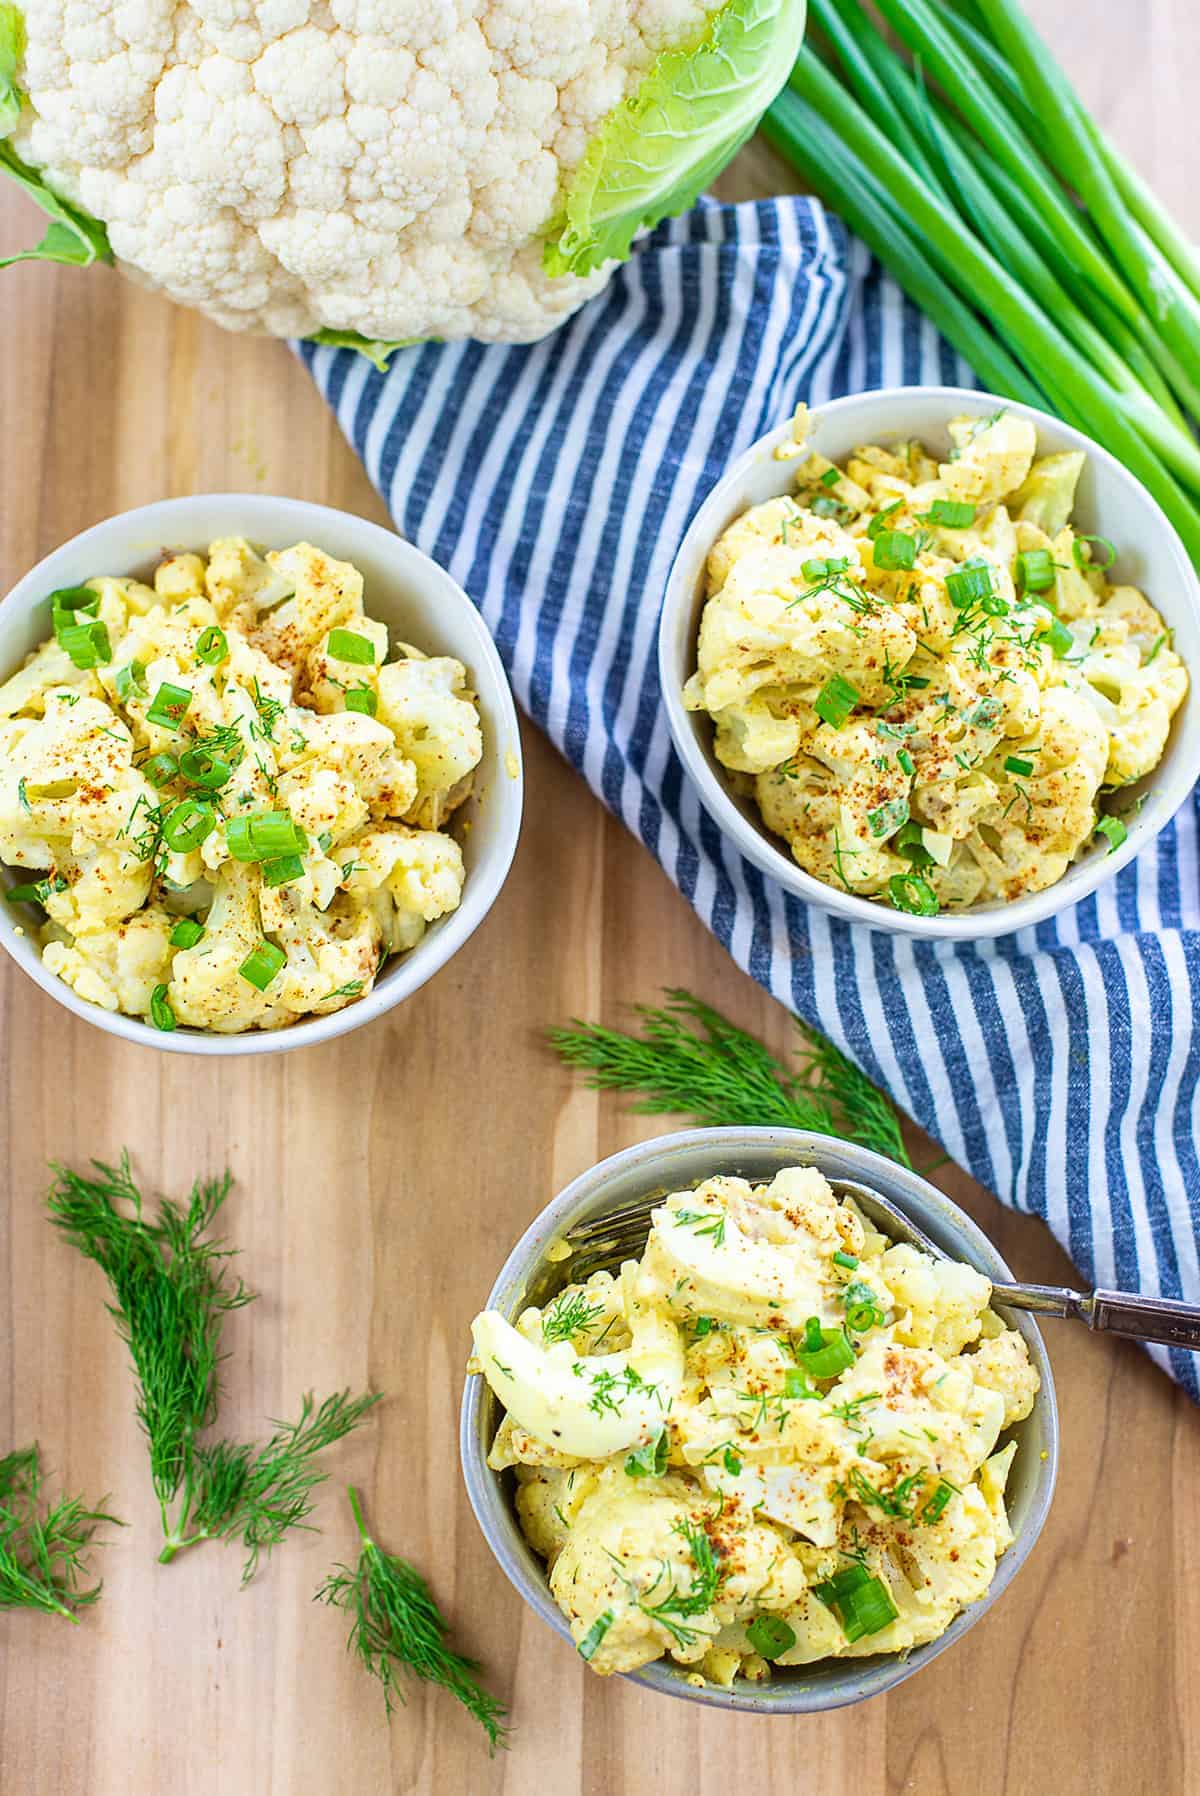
<point x="428" y="706"/>
<point x="771" y="624"/>
<point x="1003" y="1364"/>
<point x="942" y="1300"/>
<point x="409" y="877"/>
<point x="993" y="457"/>
<point x="326" y="594"/>
<point x="207" y="989"/>
<point x="117" y="968"/>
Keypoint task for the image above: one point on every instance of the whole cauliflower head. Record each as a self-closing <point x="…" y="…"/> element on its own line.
<point x="386" y="170"/>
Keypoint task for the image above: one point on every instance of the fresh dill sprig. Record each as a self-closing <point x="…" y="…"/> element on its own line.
<point x="397" y="1626"/>
<point x="170" y="1294"/>
<point x="233" y="1490"/>
<point x="570" y="1314"/>
<point x="692" y="1061"/>
<point x="42" y="1554"/>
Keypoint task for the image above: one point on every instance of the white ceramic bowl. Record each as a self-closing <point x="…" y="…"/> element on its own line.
<point x="420" y="604"/>
<point x="1111" y="503"/>
<point x="673" y="1163"/>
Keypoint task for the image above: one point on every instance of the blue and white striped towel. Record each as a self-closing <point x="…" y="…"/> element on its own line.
<point x="555" y="481"/>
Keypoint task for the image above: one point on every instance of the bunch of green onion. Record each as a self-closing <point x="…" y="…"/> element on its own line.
<point x="974" y="173"/>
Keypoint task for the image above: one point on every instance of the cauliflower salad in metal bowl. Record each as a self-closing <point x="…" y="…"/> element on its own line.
<point x="775" y="1439"/>
<point x="233" y="800"/>
<point x="922" y="674"/>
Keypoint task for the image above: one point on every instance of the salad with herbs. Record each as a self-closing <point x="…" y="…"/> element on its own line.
<point x="926" y="677"/>
<point x="775" y="1439"/>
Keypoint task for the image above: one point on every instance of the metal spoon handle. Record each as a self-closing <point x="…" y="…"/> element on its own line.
<point x="1160" y="1319"/>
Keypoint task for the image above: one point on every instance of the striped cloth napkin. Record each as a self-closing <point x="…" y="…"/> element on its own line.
<point x="555" y="482"/>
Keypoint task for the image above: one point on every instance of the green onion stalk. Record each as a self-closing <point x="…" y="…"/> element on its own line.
<point x="963" y="170"/>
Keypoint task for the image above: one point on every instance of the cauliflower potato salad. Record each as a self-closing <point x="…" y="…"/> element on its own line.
<point x="232" y="799"/>
<point x="922" y="674"/>
<point x="773" y="1440"/>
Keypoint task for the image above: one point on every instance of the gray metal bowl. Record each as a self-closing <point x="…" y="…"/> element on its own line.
<point x="673" y="1163"/>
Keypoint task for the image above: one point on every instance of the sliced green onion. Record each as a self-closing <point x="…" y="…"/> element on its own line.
<point x="937" y="1502"/>
<point x="345" y="645"/>
<point x="169" y="706"/>
<point x="970" y="583"/>
<point x="895" y="550"/>
<point x="282" y="870"/>
<point x="324" y="841"/>
<point x="823" y="507"/>
<point x="861" y="1602"/>
<point x="202" y="767"/>
<point x="848" y="1260"/>
<point x="1109" y="549"/>
<point x="65" y="600"/>
<point x="1058" y="639"/>
<point x="590" y="1644"/>
<point x="862" y="1310"/>
<point x="1016" y="764"/>
<point x="770" y="1636"/>
<point x="186" y="933"/>
<point x="190" y="823"/>
<point x="952" y="514"/>
<point x="887" y="818"/>
<point x="1035" y="570"/>
<point x="161" y="1014"/>
<point x="905" y="762"/>
<point x="910" y="842"/>
<point x="879" y="521"/>
<point x="835" y="701"/>
<point x="826" y="1351"/>
<point x="731" y="1462"/>
<point x="796" y="1385"/>
<point x="816" y="569"/>
<point x="362" y="699"/>
<point x="995" y="604"/>
<point x="36" y="893"/>
<point x="649" y="1460"/>
<point x="703" y="1325"/>
<point x="1113" y="831"/>
<point x="212" y="646"/>
<point x="910" y="893"/>
<point x="131" y="682"/>
<point x="262" y="965"/>
<point x="87" y="644"/>
<point x="160" y="770"/>
<point x="830" y="477"/>
<point x="264" y="835"/>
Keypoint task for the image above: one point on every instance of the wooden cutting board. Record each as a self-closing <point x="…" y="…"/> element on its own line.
<point x="380" y="1181"/>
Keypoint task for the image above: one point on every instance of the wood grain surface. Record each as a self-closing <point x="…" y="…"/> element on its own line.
<point x="382" y="1178"/>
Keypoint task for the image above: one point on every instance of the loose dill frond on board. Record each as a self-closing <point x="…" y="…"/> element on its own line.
<point x="233" y="1491"/>
<point x="397" y="1626"/>
<point x="43" y="1552"/>
<point x="689" y="1060"/>
<point x="171" y="1291"/>
<point x="170" y="1294"/>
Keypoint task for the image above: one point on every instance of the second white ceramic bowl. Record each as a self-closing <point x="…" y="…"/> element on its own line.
<point x="420" y="604"/>
<point x="1111" y="503"/>
<point x="535" y="1270"/>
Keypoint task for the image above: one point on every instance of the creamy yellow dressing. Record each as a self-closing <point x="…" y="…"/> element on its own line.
<point x="773" y="1400"/>
<point x="921" y="674"/>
